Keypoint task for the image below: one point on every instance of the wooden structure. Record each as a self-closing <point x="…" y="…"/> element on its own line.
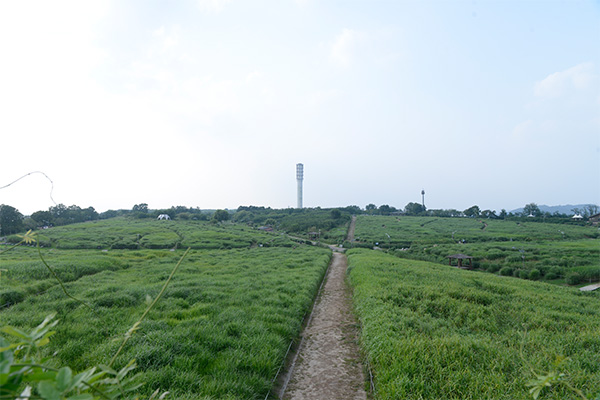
<point x="468" y="264"/>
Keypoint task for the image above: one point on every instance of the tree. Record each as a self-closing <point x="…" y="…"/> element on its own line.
<point x="142" y="207"/>
<point x="11" y="220"/>
<point x="489" y="214"/>
<point x="221" y="215"/>
<point x="473" y="211"/>
<point x="385" y="209"/>
<point x="502" y="214"/>
<point x="371" y="208"/>
<point x="58" y="210"/>
<point x="42" y="218"/>
<point x="414" y="209"/>
<point x="531" y="209"/>
<point x="336" y="214"/>
<point x="355" y="210"/>
<point x="590" y="209"/>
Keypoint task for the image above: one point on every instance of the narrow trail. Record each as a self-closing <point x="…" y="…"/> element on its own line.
<point x="328" y="362"/>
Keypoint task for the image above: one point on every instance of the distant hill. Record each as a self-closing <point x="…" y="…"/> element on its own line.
<point x="566" y="209"/>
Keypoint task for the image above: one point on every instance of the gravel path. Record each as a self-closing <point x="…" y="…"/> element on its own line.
<point x="328" y="365"/>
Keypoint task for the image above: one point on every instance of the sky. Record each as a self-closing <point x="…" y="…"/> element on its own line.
<point x="212" y="103"/>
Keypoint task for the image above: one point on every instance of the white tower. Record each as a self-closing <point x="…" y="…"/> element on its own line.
<point x="299" y="178"/>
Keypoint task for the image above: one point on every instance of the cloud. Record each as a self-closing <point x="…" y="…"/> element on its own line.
<point x="563" y="108"/>
<point x="581" y="77"/>
<point x="167" y="39"/>
<point x="214" y="6"/>
<point x="345" y="45"/>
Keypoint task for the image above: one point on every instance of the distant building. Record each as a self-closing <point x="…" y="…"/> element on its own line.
<point x="164" y="216"/>
<point x="594" y="219"/>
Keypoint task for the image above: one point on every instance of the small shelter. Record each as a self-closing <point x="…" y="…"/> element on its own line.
<point x="164" y="216"/>
<point x="468" y="264"/>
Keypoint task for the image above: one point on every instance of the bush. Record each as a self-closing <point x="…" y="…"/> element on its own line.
<point x="506" y="271"/>
<point x="493" y="268"/>
<point x="556" y="270"/>
<point x="494" y="255"/>
<point x="517" y="272"/>
<point x="573" y="278"/>
<point x="11" y="297"/>
<point x="534" y="274"/>
<point x="551" y="275"/>
<point x="524" y="274"/>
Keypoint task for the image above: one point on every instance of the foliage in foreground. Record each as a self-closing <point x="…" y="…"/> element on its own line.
<point x="433" y="332"/>
<point x="24" y="373"/>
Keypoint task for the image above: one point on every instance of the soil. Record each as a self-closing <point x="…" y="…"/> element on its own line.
<point x="328" y="361"/>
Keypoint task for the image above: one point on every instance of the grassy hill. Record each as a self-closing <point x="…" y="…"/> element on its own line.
<point x="554" y="252"/>
<point x="220" y="331"/>
<point x="436" y="332"/>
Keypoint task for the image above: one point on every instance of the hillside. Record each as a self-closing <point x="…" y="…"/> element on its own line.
<point x="435" y="332"/>
<point x="562" y="209"/>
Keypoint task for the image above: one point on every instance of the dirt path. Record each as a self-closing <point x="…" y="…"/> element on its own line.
<point x="328" y="363"/>
<point x="350" y="237"/>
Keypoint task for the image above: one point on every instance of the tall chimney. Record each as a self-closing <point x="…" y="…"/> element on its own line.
<point x="299" y="178"/>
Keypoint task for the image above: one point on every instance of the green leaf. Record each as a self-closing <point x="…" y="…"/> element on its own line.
<point x="48" y="391"/>
<point x="5" y="366"/>
<point x="130" y="366"/>
<point x="15" y="332"/>
<point x="42" y="342"/>
<point x="10" y="347"/>
<point x="40" y="375"/>
<point x="107" y="369"/>
<point x="84" y="396"/>
<point x="63" y="379"/>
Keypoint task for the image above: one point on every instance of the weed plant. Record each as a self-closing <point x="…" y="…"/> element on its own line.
<point x="436" y="332"/>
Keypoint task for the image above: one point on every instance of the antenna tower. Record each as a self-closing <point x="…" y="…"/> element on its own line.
<point x="299" y="179"/>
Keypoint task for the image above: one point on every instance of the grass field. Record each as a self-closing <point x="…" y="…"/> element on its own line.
<point x="436" y="332"/>
<point x="551" y="251"/>
<point x="132" y="234"/>
<point x="220" y="331"/>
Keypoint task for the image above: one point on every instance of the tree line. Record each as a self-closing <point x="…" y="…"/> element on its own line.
<point x="290" y="219"/>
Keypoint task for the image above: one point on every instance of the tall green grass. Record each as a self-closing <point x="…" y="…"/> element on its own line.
<point x="530" y="250"/>
<point x="436" y="332"/>
<point x="220" y="331"/>
<point x="132" y="234"/>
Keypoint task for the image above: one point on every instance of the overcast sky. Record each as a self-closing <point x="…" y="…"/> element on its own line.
<point x="211" y="103"/>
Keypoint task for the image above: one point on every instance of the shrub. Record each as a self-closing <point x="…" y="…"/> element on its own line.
<point x="524" y="274"/>
<point x="517" y="272"/>
<point x="493" y="268"/>
<point x="494" y="254"/>
<point x="551" y="275"/>
<point x="11" y="297"/>
<point x="573" y="278"/>
<point x="556" y="270"/>
<point x="534" y="274"/>
<point x="513" y="258"/>
<point x="506" y="271"/>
